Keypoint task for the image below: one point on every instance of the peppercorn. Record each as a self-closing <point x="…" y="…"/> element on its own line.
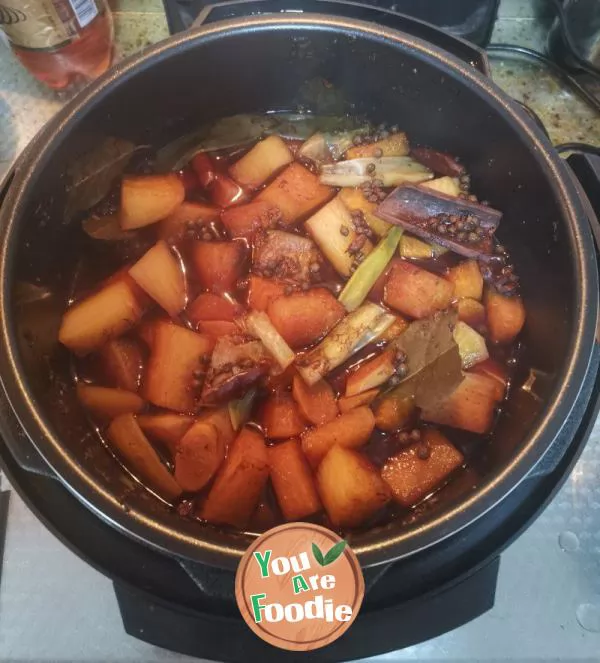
<point x="423" y="451"/>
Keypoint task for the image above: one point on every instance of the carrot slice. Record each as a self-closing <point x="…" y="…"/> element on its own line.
<point x="127" y="437"/>
<point x="106" y="403"/>
<point x="293" y="481"/>
<point x="349" y="430"/>
<point x="347" y="403"/>
<point x="261" y="292"/>
<point x="238" y="486"/>
<point x="167" y="428"/>
<point x="199" y="454"/>
<point x="208" y="306"/>
<point x="221" y="420"/>
<point x="218" y="328"/>
<point x="280" y="416"/>
<point x="122" y="363"/>
<point x="316" y="403"/>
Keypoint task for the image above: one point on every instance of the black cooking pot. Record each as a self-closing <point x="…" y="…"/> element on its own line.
<point x="272" y="63"/>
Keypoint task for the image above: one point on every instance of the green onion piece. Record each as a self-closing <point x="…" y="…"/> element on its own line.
<point x="350" y="335"/>
<point x="356" y="290"/>
<point x="239" y="410"/>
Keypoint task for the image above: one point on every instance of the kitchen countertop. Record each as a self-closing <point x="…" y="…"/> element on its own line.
<point x="54" y="607"/>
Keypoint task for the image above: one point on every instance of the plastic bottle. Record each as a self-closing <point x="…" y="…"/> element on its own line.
<point x="61" y="42"/>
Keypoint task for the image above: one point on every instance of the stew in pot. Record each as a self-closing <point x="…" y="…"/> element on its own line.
<point x="296" y="329"/>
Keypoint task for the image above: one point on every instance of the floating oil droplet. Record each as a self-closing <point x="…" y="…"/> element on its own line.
<point x="568" y="541"/>
<point x="588" y="616"/>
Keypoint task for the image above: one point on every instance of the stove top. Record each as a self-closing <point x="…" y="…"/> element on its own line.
<point x="472" y="20"/>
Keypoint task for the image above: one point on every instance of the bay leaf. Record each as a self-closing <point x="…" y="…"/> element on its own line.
<point x="92" y="175"/>
<point x="245" y="129"/>
<point x="106" y="228"/>
<point x="433" y="360"/>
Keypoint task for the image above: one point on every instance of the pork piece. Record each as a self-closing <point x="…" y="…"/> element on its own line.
<point x="236" y="364"/>
<point x="287" y="257"/>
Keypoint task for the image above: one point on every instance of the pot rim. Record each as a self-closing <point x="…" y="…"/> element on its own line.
<point x="387" y="548"/>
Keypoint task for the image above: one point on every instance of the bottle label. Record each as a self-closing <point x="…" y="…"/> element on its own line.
<point x="46" y="24"/>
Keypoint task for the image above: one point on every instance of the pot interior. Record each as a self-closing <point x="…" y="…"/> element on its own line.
<point x="326" y="69"/>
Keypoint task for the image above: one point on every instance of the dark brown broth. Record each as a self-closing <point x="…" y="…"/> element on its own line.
<point x="104" y="258"/>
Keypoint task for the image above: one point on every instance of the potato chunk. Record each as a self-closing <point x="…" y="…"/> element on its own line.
<point x="414" y="472"/>
<point x="175" y="355"/>
<point x="302" y="318"/>
<point x="146" y="199"/>
<point x="467" y="279"/>
<point x="167" y="428"/>
<point x="159" y="273"/>
<point x="106" y="314"/>
<point x="505" y="316"/>
<point x="218" y="265"/>
<point x="258" y="165"/>
<point x="470" y="406"/>
<point x="350" y="487"/>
